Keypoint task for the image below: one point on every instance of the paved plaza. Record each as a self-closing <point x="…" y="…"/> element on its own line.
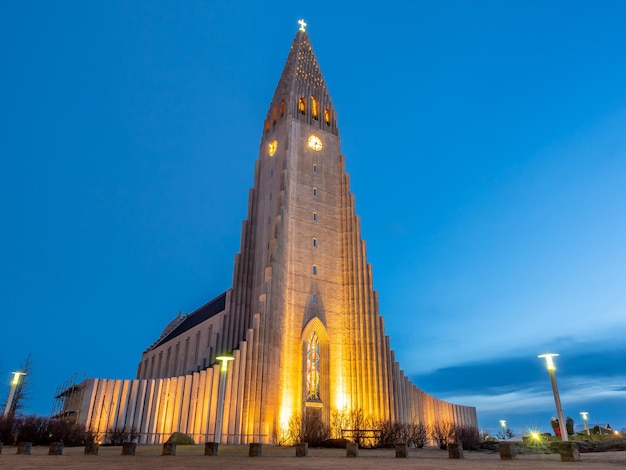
<point x="275" y="458"/>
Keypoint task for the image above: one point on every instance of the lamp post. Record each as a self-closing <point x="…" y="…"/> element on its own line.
<point x="503" y="424"/>
<point x="14" y="384"/>
<point x="555" y="391"/>
<point x="585" y="416"/>
<point x="224" y="359"/>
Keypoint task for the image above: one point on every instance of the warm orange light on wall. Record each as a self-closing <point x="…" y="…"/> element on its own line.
<point x="341" y="400"/>
<point x="285" y="416"/>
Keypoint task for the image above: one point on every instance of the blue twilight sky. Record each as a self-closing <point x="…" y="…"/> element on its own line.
<point x="486" y="143"/>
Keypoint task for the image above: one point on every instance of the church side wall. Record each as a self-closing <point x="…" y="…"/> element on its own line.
<point x="151" y="410"/>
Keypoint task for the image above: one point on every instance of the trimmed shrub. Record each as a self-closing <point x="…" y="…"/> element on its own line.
<point x="181" y="439"/>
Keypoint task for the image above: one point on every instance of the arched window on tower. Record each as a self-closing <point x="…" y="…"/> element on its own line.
<point x="282" y="108"/>
<point x="313" y="368"/>
<point x="327" y="116"/>
<point x="267" y="125"/>
<point x="314" y="107"/>
<point x="274" y="116"/>
<point x="301" y="105"/>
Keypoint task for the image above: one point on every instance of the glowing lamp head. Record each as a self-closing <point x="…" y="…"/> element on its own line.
<point x="585" y="415"/>
<point x="503" y="423"/>
<point x="16" y="377"/>
<point x="534" y="435"/>
<point x="549" y="361"/>
<point x="224" y="360"/>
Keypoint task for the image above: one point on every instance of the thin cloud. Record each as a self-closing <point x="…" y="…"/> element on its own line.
<point x="523" y="342"/>
<point x="573" y="391"/>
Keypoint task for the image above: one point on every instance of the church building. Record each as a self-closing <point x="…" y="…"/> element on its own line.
<point x="299" y="335"/>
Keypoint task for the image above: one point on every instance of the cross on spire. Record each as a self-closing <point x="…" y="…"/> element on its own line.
<point x="302" y="25"/>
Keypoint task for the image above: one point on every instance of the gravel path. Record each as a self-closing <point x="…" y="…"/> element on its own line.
<point x="276" y="458"/>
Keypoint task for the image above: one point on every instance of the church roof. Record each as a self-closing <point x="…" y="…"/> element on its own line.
<point x="302" y="79"/>
<point x="208" y="310"/>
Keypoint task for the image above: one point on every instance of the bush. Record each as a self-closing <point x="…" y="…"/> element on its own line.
<point x="386" y="434"/>
<point x="335" y="443"/>
<point x="71" y="434"/>
<point x="180" y="438"/>
<point x="390" y="433"/>
<point x="117" y="436"/>
<point x="311" y="429"/>
<point x="468" y="436"/>
<point x="445" y="432"/>
<point x="7" y="429"/>
<point x="31" y="429"/>
<point x="442" y="433"/>
<point x="417" y="435"/>
<point x="356" y="422"/>
<point x="40" y="430"/>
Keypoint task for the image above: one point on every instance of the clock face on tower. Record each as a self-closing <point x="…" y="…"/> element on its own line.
<point x="315" y="143"/>
<point x="271" y="148"/>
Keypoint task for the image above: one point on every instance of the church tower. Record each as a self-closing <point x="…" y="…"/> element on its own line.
<point x="301" y="321"/>
<point x="302" y="269"/>
<point x="302" y="280"/>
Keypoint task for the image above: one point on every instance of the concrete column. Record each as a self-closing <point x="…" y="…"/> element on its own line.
<point x="569" y="451"/>
<point x="169" y="448"/>
<point x="302" y="449"/>
<point x="56" y="448"/>
<point x="210" y="448"/>
<point x="92" y="449"/>
<point x="129" y="448"/>
<point x="352" y="449"/>
<point x="402" y="450"/>
<point x="256" y="449"/>
<point x="24" y="448"/>
<point x="507" y="450"/>
<point x="455" y="450"/>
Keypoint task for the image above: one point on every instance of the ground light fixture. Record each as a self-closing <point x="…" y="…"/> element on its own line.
<point x="503" y="425"/>
<point x="585" y="416"/>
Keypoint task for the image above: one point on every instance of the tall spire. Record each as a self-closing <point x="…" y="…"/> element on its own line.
<point x="301" y="91"/>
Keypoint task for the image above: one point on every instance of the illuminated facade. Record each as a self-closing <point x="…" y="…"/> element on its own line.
<point x="301" y="320"/>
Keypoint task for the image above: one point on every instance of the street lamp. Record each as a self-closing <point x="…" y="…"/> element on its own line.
<point x="503" y="424"/>
<point x="14" y="384"/>
<point x="555" y="390"/>
<point x="224" y="359"/>
<point x="585" y="416"/>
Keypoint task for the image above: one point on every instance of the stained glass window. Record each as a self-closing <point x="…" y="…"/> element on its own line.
<point x="314" y="107"/>
<point x="313" y="368"/>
